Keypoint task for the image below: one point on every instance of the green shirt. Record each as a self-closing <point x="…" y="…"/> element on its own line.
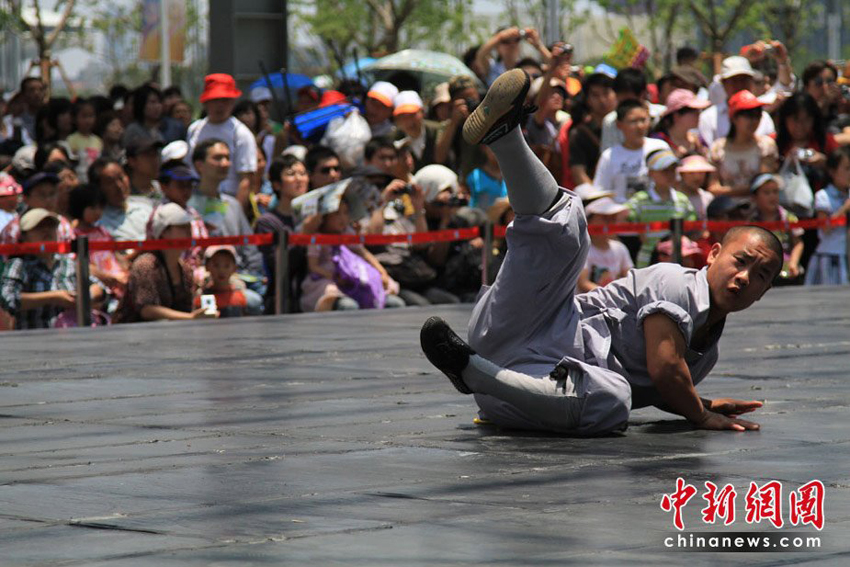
<point x="648" y="206"/>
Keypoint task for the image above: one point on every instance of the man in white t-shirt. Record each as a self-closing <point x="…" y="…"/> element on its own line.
<point x="622" y="168"/>
<point x="218" y="97"/>
<point x="736" y="75"/>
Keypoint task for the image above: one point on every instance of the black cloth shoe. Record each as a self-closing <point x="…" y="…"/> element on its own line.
<point x="445" y="350"/>
<point x="501" y="110"/>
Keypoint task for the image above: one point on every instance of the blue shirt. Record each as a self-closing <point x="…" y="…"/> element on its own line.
<point x="484" y="189"/>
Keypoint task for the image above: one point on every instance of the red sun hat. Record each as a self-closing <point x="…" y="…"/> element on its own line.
<point x="219" y="85"/>
<point x="331" y="97"/>
<point x="743" y="100"/>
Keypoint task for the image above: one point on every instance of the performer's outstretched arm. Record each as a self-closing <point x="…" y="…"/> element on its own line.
<point x="665" y="360"/>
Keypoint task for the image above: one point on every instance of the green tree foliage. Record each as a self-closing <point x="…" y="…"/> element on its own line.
<point x="378" y="27"/>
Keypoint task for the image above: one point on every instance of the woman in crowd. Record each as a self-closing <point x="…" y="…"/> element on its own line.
<point x="148" y="119"/>
<point x="160" y="283"/>
<point x="743" y="154"/>
<point x="679" y="121"/>
<point x="801" y="134"/>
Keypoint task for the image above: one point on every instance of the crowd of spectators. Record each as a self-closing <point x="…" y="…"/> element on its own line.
<point x="135" y="165"/>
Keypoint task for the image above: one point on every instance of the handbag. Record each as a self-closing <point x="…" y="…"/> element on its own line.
<point x="68" y="319"/>
<point x="796" y="194"/>
<point x="358" y="279"/>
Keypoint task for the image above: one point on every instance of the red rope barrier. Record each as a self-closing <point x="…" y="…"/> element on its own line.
<point x="449" y="235"/>
<point x="381" y="239"/>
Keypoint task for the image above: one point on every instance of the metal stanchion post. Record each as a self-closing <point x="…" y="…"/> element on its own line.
<point x="281" y="273"/>
<point x="676" y="226"/>
<point x="847" y="239"/>
<point x="81" y="249"/>
<point x="487" y="253"/>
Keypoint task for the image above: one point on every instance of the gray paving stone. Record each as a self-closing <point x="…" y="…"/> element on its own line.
<point x="329" y="440"/>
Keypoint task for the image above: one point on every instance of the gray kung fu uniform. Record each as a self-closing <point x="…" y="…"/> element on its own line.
<point x="531" y="321"/>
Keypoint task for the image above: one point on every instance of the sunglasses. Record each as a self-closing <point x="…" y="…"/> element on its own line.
<point x="327" y="169"/>
<point x="509" y="41"/>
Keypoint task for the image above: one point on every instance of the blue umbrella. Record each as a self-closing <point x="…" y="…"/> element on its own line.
<point x="293" y="80"/>
<point x="349" y="70"/>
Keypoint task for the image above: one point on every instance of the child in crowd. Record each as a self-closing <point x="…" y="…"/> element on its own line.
<point x="85" y="144"/>
<point x="765" y="195"/>
<point x="230" y="300"/>
<point x="485" y="183"/>
<point x="36" y="288"/>
<point x="828" y="264"/>
<point x="622" y="167"/>
<point x="659" y="202"/>
<point x="110" y="129"/>
<point x="607" y="259"/>
<point x="85" y="205"/>
<point x="319" y="291"/>
<point x="693" y="172"/>
<point x="692" y="255"/>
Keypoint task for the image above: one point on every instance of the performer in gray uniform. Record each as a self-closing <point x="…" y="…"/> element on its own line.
<point x="541" y="357"/>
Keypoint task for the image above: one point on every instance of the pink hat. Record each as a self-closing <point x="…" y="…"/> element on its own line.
<point x="683" y="98"/>
<point x="8" y="185"/>
<point x="689" y="247"/>
<point x="695" y="164"/>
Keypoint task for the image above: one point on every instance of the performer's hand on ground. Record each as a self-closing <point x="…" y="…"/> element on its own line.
<point x="732" y="407"/>
<point x="719" y="422"/>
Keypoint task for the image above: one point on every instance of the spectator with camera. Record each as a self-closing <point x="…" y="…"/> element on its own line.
<point x="452" y="150"/>
<point x="403" y="211"/>
<point x="160" y="285"/>
<point x="506" y="42"/>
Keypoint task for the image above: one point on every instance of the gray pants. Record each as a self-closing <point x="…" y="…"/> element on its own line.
<point x="527" y="321"/>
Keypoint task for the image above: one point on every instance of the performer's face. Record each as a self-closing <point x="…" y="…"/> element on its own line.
<point x="740" y="272"/>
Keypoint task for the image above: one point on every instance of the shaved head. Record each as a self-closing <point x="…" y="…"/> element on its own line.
<point x="765" y="236"/>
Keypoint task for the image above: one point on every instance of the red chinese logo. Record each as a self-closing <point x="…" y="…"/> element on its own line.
<point x="677" y="501"/>
<point x="765" y="502"/>
<point x="808" y="507"/>
<point x="806" y="504"/>
<point x="720" y="505"/>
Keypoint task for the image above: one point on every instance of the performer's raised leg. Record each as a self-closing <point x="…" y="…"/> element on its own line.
<point x="531" y="187"/>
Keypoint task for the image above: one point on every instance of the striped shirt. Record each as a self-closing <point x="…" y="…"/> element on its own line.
<point x="29" y="274"/>
<point x="648" y="206"/>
